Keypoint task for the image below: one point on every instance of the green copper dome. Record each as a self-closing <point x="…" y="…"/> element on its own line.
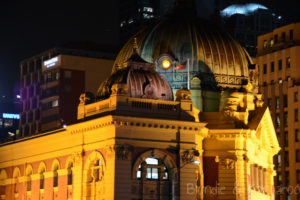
<point x="215" y="57"/>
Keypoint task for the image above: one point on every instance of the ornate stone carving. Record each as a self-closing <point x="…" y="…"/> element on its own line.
<point x="259" y="101"/>
<point x="188" y="156"/>
<point x="86" y="98"/>
<point x="237" y="105"/>
<point x="227" y="163"/>
<point x="183" y="94"/>
<point x="77" y="157"/>
<point x="109" y="150"/>
<point x="123" y="150"/>
<point x="119" y="89"/>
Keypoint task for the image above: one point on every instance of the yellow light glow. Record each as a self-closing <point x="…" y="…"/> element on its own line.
<point x="166" y="64"/>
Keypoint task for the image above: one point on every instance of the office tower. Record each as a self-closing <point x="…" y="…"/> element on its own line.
<point x="248" y="20"/>
<point x="51" y="84"/>
<point x="279" y="77"/>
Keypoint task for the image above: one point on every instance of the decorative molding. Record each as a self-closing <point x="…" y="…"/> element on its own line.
<point x="77" y="157"/>
<point x="188" y="156"/>
<point x="120" y="123"/>
<point x="226" y="162"/>
<point x="123" y="151"/>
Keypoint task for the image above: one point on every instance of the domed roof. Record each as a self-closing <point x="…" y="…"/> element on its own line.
<point x="215" y="57"/>
<point x="141" y="79"/>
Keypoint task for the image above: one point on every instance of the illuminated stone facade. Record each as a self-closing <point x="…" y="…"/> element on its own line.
<point x="140" y="148"/>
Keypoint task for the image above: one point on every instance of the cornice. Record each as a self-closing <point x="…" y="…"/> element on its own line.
<point x="123" y="121"/>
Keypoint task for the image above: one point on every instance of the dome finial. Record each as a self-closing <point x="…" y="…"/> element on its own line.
<point x="135" y="46"/>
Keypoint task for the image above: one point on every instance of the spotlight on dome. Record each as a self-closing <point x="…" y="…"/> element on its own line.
<point x="166" y="64"/>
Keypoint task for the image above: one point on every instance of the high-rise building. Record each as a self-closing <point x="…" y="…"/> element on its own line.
<point x="279" y="79"/>
<point x="247" y="21"/>
<point x="51" y="84"/>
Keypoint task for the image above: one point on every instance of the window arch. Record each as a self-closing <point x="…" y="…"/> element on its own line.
<point x="28" y="173"/>
<point x="16" y="174"/>
<point x="94" y="175"/>
<point x="55" y="168"/>
<point x="3" y="177"/>
<point x="41" y="171"/>
<point x="69" y="166"/>
<point x="157" y="170"/>
<point x="156" y="165"/>
<point x="94" y="167"/>
<point x="152" y="168"/>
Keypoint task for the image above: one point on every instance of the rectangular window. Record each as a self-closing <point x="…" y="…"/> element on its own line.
<point x="296" y="115"/>
<point x="277" y="120"/>
<point x="277" y="103"/>
<point x="295" y="96"/>
<point x="54" y="103"/>
<point x="291" y="35"/>
<point x="285" y="101"/>
<point x="287" y="178"/>
<point x="297" y="155"/>
<point x="265" y="44"/>
<point x="279" y="160"/>
<point x="298" y="176"/>
<point x="279" y="64"/>
<point x="8" y="123"/>
<point x="288" y="62"/>
<point x="279" y="179"/>
<point x="265" y="68"/>
<point x="272" y="66"/>
<point x="57" y="75"/>
<point x="297" y="135"/>
<point x="286" y="158"/>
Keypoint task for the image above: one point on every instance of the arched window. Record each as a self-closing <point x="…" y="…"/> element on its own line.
<point x="156" y="170"/>
<point x="93" y="176"/>
<point x="16" y="175"/>
<point x="55" y="176"/>
<point x="42" y="179"/>
<point x="29" y="183"/>
<point x="96" y="171"/>
<point x="70" y="174"/>
<point x="3" y="177"/>
<point x="152" y="169"/>
<point x="28" y="177"/>
<point x="41" y="171"/>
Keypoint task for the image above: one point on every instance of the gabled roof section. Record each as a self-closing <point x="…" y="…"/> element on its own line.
<point x="262" y="123"/>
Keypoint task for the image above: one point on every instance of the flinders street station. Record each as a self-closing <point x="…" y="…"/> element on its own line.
<point x="180" y="117"/>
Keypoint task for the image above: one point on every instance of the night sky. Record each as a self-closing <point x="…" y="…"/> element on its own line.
<point x="31" y="27"/>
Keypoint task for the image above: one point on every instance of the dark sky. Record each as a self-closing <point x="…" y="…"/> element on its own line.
<point x="30" y="27"/>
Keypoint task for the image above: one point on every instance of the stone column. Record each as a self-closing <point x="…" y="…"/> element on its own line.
<point x="78" y="175"/>
<point x="123" y="171"/>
